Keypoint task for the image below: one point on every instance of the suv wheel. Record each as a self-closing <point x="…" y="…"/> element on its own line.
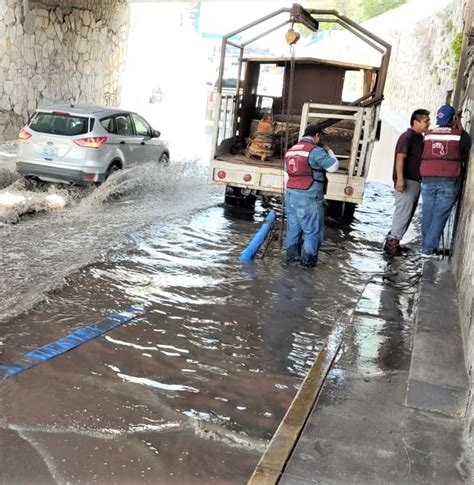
<point x="112" y="169"/>
<point x="164" y="158"/>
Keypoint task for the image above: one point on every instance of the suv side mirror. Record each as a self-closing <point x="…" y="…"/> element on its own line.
<point x="155" y="133"/>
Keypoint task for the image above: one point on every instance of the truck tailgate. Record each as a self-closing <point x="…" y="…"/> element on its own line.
<point x="267" y="176"/>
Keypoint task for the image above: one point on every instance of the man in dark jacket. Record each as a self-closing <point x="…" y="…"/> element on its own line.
<point x="445" y="156"/>
<point x="406" y="178"/>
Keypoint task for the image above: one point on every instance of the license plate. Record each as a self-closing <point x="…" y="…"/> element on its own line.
<point x="49" y="152"/>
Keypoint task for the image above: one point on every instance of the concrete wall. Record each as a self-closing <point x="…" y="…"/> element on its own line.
<point x="70" y="53"/>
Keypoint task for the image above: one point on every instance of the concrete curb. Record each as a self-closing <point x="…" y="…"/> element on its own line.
<point x="438" y="380"/>
<point x="270" y="467"/>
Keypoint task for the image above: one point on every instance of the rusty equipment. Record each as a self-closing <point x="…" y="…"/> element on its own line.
<point x="261" y="143"/>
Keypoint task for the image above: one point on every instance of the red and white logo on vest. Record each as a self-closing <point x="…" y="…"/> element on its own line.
<point x="292" y="165"/>
<point x="439" y="148"/>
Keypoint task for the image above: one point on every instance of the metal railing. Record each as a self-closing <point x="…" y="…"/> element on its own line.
<point x="365" y="126"/>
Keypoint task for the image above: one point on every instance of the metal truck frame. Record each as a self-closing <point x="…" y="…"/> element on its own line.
<point x="352" y="128"/>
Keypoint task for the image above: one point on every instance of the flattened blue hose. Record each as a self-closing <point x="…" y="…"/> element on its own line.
<point x="70" y="341"/>
<point x="259" y="238"/>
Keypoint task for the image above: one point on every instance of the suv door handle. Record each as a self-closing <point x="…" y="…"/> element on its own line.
<point x="123" y="142"/>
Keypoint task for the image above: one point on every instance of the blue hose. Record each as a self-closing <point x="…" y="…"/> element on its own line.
<point x="70" y="341"/>
<point x="259" y="238"/>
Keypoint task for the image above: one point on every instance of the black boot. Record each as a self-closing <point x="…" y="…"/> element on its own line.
<point x="392" y="247"/>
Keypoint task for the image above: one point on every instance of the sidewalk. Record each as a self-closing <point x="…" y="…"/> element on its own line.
<point x="363" y="429"/>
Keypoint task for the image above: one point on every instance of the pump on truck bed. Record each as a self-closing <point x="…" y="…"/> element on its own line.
<point x="277" y="97"/>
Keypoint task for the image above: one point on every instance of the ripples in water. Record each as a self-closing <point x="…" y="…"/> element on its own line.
<point x="222" y="348"/>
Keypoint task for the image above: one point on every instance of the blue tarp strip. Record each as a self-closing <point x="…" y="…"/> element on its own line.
<point x="259" y="238"/>
<point x="70" y="341"/>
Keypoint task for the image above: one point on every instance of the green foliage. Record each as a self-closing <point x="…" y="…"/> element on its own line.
<point x="358" y="10"/>
<point x="456" y="45"/>
<point x="372" y="8"/>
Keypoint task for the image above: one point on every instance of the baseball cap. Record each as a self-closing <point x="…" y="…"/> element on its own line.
<point x="445" y="115"/>
<point x="313" y="130"/>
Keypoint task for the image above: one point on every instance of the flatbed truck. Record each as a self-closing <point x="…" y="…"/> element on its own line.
<point x="249" y="161"/>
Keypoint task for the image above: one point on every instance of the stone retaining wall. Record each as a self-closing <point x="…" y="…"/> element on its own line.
<point x="73" y="53"/>
<point x="423" y="68"/>
<point x="464" y="243"/>
<point x="423" y="63"/>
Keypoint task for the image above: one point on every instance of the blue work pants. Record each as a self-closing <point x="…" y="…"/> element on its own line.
<point x="439" y="195"/>
<point x="305" y="223"/>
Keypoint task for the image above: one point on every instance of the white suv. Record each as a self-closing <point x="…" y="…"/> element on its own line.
<point x="83" y="144"/>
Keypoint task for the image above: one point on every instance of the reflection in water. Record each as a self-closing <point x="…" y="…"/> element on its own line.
<point x="294" y="293"/>
<point x="380" y="338"/>
<point x="222" y="347"/>
<point x="149" y="382"/>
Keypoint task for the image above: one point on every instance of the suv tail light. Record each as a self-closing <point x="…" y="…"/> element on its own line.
<point x="24" y="134"/>
<point x="92" y="142"/>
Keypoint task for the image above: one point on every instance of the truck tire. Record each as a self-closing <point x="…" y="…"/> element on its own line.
<point x="239" y="200"/>
<point x="248" y="202"/>
<point x="266" y="201"/>
<point x="341" y="210"/>
<point x="245" y="202"/>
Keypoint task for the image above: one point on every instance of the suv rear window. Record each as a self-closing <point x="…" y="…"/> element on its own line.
<point x="109" y="124"/>
<point x="59" y="124"/>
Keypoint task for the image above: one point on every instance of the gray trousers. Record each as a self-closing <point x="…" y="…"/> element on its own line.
<point x="405" y="206"/>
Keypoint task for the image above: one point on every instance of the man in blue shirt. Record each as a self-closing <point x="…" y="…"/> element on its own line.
<point x="306" y="164"/>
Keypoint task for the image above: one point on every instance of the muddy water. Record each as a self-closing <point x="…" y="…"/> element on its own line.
<point x="191" y="391"/>
<point x="41" y="249"/>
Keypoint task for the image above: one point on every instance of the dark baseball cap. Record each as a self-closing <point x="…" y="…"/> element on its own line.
<point x="445" y="115"/>
<point x="313" y="130"/>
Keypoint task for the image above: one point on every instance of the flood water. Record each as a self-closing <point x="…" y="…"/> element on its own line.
<point x="191" y="391"/>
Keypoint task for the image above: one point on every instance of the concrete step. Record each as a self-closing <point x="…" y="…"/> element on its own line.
<point x="438" y="379"/>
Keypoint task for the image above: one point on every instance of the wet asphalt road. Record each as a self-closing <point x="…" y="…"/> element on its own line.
<point x="191" y="391"/>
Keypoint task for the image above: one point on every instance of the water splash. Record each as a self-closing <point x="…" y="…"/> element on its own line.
<point x="93" y="220"/>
